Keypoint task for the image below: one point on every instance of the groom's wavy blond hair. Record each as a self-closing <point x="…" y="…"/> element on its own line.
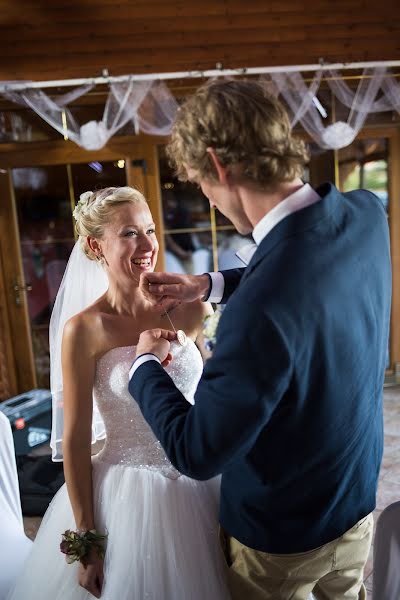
<point x="248" y="129"/>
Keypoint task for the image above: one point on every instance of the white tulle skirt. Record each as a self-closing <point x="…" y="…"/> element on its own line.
<point x="162" y="540"/>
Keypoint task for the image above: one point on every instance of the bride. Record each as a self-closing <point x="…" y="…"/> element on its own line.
<point x="160" y="527"/>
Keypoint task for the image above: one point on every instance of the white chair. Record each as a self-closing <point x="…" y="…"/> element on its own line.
<point x="386" y="561"/>
<point x="14" y="545"/>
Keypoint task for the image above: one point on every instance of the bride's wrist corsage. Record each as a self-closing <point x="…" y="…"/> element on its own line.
<point x="210" y="329"/>
<point x="76" y="545"/>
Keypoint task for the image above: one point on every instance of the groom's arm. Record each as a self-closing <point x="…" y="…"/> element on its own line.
<point x="212" y="287"/>
<point x="240" y="388"/>
<point x="230" y="281"/>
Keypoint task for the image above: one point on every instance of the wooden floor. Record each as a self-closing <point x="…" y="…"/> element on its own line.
<point x="389" y="482"/>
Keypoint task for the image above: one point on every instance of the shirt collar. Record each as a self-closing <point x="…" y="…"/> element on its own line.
<point x="305" y="196"/>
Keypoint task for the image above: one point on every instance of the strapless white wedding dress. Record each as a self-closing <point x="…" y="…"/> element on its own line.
<point x="162" y="526"/>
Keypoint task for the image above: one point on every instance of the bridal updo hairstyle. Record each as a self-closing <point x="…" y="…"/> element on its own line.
<point x="247" y="127"/>
<point x="94" y="210"/>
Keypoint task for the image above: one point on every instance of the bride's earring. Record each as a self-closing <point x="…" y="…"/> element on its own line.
<point x="103" y="260"/>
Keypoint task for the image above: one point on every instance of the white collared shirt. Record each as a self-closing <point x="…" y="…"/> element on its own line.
<point x="304" y="196"/>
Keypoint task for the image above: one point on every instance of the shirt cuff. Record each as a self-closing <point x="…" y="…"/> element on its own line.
<point x="140" y="360"/>
<point x="217" y="287"/>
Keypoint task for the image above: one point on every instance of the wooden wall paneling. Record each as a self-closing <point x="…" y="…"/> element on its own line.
<point x="94" y="11"/>
<point x="265" y="35"/>
<point x="53" y="40"/>
<point x="143" y="60"/>
<point x="13" y="274"/>
<point x="315" y="20"/>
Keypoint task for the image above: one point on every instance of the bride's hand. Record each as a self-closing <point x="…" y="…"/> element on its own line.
<point x="91" y="574"/>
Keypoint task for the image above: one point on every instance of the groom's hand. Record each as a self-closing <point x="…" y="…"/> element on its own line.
<point x="166" y="289"/>
<point x="157" y="342"/>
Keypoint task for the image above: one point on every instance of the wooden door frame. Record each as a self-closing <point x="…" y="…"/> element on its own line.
<point x="8" y="375"/>
<point x="21" y="362"/>
<point x="392" y="134"/>
<point x="142" y="170"/>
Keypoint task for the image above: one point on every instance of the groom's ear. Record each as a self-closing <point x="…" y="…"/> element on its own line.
<point x="220" y="170"/>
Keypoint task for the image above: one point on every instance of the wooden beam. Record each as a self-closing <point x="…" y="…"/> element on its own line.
<point x="198" y="57"/>
<point x="60" y="152"/>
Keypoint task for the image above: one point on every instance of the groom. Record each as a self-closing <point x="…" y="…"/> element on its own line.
<point x="289" y="408"/>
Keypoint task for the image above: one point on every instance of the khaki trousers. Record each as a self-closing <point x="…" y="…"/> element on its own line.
<point x="331" y="572"/>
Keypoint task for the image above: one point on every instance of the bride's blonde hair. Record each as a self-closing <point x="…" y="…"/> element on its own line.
<point x="93" y="209"/>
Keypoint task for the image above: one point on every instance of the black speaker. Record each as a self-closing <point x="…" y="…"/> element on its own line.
<point x="30" y="418"/>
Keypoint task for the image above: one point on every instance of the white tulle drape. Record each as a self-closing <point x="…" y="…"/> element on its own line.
<point x="339" y="134"/>
<point x="151" y="108"/>
<point x="122" y="106"/>
<point x="157" y="113"/>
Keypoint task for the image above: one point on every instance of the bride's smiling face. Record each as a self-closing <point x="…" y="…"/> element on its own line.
<point x="129" y="244"/>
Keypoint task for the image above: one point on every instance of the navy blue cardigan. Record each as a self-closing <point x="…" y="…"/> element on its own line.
<point x="289" y="408"/>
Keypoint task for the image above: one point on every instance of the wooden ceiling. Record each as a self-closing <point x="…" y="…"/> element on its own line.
<point x="60" y="39"/>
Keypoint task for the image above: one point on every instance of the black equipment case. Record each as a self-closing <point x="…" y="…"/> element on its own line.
<point x="30" y="418"/>
<point x="39" y="478"/>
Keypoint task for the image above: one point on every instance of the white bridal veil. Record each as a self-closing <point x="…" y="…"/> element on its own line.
<point x="84" y="281"/>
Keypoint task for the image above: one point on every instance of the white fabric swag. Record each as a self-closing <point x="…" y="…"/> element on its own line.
<point x="300" y="101"/>
<point x="151" y="107"/>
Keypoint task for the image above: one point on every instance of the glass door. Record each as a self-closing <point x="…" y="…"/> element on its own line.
<point x="45" y="197"/>
<point x="364" y="164"/>
<point x="197" y="238"/>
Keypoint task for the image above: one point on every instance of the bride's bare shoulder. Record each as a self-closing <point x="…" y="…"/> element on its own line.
<point x="85" y="329"/>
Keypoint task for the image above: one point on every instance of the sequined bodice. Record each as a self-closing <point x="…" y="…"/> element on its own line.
<point x="130" y="440"/>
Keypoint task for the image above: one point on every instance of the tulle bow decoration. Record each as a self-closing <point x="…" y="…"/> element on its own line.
<point x="338" y="135"/>
<point x="150" y="107"/>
